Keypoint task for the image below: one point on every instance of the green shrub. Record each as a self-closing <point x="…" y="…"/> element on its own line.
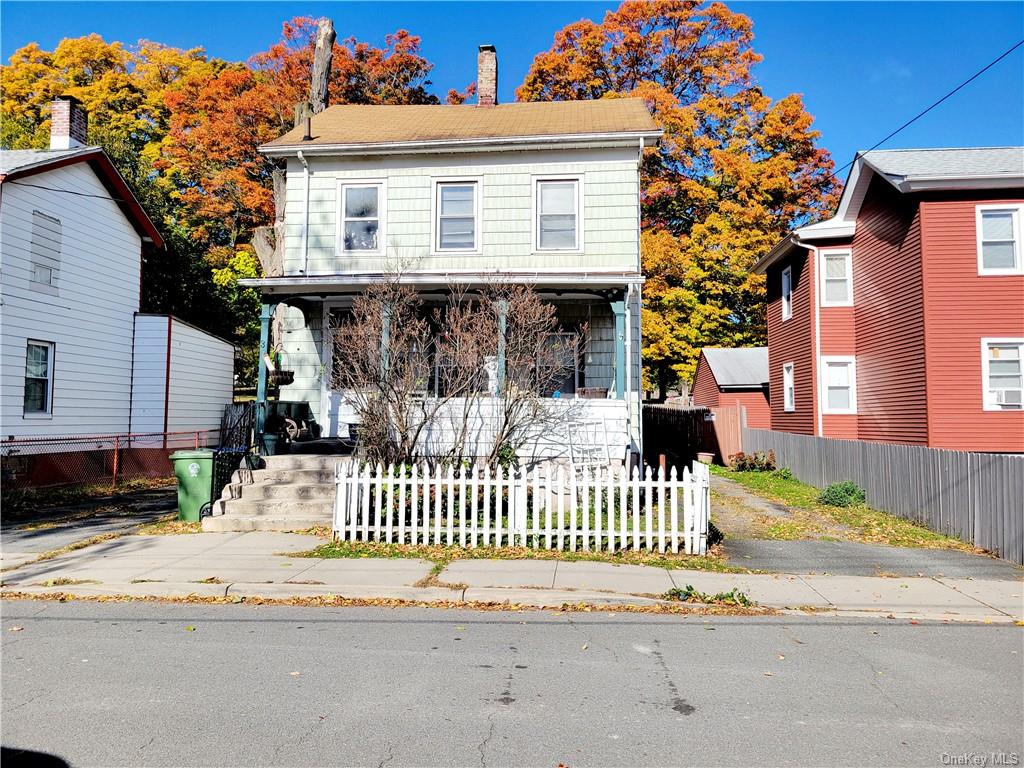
<point x="844" y="494"/>
<point x="758" y="461"/>
<point x="783" y="473"/>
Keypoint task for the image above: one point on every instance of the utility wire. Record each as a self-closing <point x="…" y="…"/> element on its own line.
<point x="924" y="112"/>
<point x="65" y="191"/>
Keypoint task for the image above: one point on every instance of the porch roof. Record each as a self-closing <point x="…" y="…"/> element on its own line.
<point x="350" y="283"/>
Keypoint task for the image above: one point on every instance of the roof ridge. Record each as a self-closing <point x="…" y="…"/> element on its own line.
<point x="940" y="149"/>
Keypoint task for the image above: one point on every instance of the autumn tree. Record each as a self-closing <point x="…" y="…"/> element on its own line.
<point x="733" y="172"/>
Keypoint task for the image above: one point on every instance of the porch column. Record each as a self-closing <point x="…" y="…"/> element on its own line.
<point x="266" y="315"/>
<point x="619" y="310"/>
<point x="502" y="307"/>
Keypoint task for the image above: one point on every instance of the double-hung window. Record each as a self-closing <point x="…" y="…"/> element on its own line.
<point x="458" y="216"/>
<point x="788" y="388"/>
<point x="1002" y="375"/>
<point x="39" y="378"/>
<point x="362" y="225"/>
<point x="787" y="293"/>
<point x="999" y="240"/>
<point x="558" y="217"/>
<point x="836" y="279"/>
<point x="838" y="385"/>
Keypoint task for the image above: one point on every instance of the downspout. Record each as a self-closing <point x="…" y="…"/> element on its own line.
<point x="629" y="363"/>
<point x="305" y="212"/>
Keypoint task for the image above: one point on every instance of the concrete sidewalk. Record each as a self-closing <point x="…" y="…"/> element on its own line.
<point x="262" y="564"/>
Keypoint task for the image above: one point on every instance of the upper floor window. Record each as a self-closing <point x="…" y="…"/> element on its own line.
<point x="836" y="279"/>
<point x="557" y="215"/>
<point x="1002" y="376"/>
<point x="362" y="205"/>
<point x="838" y="385"/>
<point x="46" y="245"/>
<point x="787" y="293"/>
<point x="788" y="388"/>
<point x="38" y="378"/>
<point x="999" y="239"/>
<point x="457" y="208"/>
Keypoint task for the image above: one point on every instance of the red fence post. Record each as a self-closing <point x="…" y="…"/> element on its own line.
<point x="117" y="458"/>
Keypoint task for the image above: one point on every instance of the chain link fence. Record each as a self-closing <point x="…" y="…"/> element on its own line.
<point x="94" y="459"/>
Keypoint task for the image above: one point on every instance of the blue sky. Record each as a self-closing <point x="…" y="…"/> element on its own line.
<point x="863" y="68"/>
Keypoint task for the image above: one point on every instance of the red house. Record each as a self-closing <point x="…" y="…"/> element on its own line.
<point x="901" y="319"/>
<point x="734" y="377"/>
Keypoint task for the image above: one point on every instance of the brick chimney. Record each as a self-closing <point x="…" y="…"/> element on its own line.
<point x="69" y="123"/>
<point x="487" y="76"/>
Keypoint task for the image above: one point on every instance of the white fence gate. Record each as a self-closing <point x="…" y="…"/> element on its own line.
<point x="592" y="508"/>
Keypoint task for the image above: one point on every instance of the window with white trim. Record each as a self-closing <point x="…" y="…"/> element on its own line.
<point x="38" y="378"/>
<point x="788" y="388"/>
<point x="361" y="206"/>
<point x="558" y="215"/>
<point x="836" y="279"/>
<point x="457" y="213"/>
<point x="787" y="293"/>
<point x="1002" y="375"/>
<point x="838" y="385"/>
<point x="999" y="239"/>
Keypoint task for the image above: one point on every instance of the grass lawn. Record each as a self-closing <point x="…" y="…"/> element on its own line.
<point x="811" y="520"/>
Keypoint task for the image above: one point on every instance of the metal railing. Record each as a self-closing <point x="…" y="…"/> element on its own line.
<point x="94" y="459"/>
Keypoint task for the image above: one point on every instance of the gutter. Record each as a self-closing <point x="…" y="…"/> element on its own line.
<point x="569" y="280"/>
<point x="305" y="212"/>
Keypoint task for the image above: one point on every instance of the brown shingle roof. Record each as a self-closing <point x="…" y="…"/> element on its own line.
<point x="371" y="124"/>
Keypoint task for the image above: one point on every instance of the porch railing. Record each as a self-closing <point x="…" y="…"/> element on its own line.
<point x="547" y="507"/>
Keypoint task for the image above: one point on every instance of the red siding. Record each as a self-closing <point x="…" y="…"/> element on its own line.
<point x="888" y="302"/>
<point x="705" y="388"/>
<point x="759" y="415"/>
<point x="960" y="308"/>
<point x="792" y="341"/>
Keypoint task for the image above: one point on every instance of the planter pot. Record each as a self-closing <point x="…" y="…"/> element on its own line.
<point x="705" y="458"/>
<point x="270" y="445"/>
<point x="281" y="378"/>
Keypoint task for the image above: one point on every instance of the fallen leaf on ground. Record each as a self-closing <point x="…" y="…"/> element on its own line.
<point x="15" y="629"/>
<point x="584" y="647"/>
<point x="769" y="674"/>
<point x="294" y="674"/>
<point x="190" y="628"/>
<point x="781" y="657"/>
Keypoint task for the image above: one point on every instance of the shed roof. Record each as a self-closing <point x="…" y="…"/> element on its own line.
<point x="369" y="125"/>
<point x="739" y="367"/>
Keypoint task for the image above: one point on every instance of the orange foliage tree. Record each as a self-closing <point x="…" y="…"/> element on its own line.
<point x="733" y="172"/>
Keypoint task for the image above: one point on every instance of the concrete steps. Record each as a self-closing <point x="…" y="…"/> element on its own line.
<point x="289" y="493"/>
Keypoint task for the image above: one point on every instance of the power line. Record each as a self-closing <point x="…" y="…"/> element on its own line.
<point x="65" y="191"/>
<point x="924" y="112"/>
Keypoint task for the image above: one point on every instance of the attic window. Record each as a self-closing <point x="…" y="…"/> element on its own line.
<point x="45" y="252"/>
<point x="999" y="239"/>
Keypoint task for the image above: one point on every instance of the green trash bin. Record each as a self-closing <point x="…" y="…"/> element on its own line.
<point x="194" y="472"/>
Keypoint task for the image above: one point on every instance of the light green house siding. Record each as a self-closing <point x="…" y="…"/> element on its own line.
<point x="609" y="211"/>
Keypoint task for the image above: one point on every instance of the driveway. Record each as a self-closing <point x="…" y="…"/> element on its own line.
<point x="735" y="510"/>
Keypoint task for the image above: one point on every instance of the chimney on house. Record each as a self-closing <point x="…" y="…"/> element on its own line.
<point x="487" y="76"/>
<point x="69" y="123"/>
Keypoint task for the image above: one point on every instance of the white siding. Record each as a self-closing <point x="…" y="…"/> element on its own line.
<point x="149" y="373"/>
<point x="201" y="380"/>
<point x="89" y="317"/>
<point x="609" y="203"/>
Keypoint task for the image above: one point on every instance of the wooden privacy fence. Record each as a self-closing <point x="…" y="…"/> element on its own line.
<point x="681" y="432"/>
<point x="549" y="506"/>
<point x="976" y="497"/>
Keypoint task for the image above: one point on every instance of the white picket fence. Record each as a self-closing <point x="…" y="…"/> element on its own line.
<point x="591" y="508"/>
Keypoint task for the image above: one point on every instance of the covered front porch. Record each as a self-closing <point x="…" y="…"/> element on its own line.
<point x="592" y="411"/>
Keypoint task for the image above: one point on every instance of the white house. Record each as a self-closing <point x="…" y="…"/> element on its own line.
<point x="543" y="193"/>
<point x="71" y="240"/>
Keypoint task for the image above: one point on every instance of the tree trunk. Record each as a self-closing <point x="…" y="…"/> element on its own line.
<point x="321" y="75"/>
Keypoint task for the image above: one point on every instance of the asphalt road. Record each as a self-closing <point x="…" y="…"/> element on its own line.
<point x="130" y="684"/>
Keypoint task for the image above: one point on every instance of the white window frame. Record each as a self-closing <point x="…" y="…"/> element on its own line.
<point x="788" y="387"/>
<point x="1018" y="238"/>
<point x="382" y="215"/>
<point x="987" y="403"/>
<point x="787" y="293"/>
<point x="535" y="183"/>
<point x="847" y="254"/>
<point x="435" y="214"/>
<point x="849" y="360"/>
<point x="50" y="358"/>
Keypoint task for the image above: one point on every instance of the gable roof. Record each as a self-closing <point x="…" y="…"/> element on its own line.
<point x="742" y="367"/>
<point x="421" y="126"/>
<point x="20" y="163"/>
<point x="908" y="170"/>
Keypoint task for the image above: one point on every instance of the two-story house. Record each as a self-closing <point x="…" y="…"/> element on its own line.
<point x="542" y="193"/>
<point x="901" y="318"/>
